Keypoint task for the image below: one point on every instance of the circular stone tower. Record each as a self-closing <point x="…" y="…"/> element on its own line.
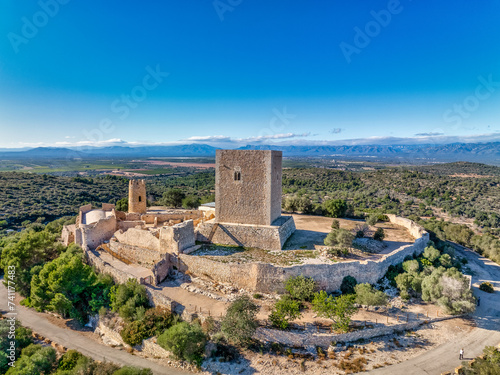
<point x="137" y="196"/>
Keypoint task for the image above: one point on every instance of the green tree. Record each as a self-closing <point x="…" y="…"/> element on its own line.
<point x="284" y="310"/>
<point x="122" y="205"/>
<point x="191" y="202"/>
<point x="70" y="287"/>
<point x="23" y="339"/>
<point x="30" y="249"/>
<point x="239" y="323"/>
<point x="173" y="198"/>
<point x="129" y="370"/>
<point x="335" y="224"/>
<point x="335" y="207"/>
<point x="155" y="321"/>
<point x="185" y="341"/>
<point x="411" y="266"/>
<point x="339" y="310"/>
<point x="372" y="219"/>
<point x="34" y="360"/>
<point x="348" y="284"/>
<point x="367" y="295"/>
<point x="431" y="253"/>
<point x="379" y="234"/>
<point x="130" y="300"/>
<point x="339" y="238"/>
<point x="301" y="288"/>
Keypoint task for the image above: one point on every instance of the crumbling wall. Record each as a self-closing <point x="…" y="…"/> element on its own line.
<point x="93" y="235"/>
<point x="149" y="218"/>
<point x="268" y="278"/>
<point x="140" y="238"/>
<point x="137" y="255"/>
<point x="177" y="238"/>
<point x="68" y="234"/>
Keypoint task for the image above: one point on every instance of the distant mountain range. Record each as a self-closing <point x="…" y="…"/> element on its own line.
<point x="488" y="153"/>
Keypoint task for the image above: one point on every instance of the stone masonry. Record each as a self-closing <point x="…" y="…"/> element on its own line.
<point x="137" y="196"/>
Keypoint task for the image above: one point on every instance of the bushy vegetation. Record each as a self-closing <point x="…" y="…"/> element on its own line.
<point x="284" y="311"/>
<point x="367" y="295"/>
<point x="487" y="287"/>
<point x="186" y="341"/>
<point x="23" y="339"/>
<point x="39" y="360"/>
<point x="301" y="288"/>
<point x="348" y="284"/>
<point x="129" y="300"/>
<point x="35" y="359"/>
<point x="239" y="323"/>
<point x="154" y="322"/>
<point x="68" y="286"/>
<point x="29" y="250"/>
<point x="28" y="197"/>
<point x="433" y="278"/>
<point x="486" y="364"/>
<point x="338" y="309"/>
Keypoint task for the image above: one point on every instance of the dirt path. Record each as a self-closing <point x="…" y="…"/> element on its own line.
<point x="39" y="323"/>
<point x="487" y="332"/>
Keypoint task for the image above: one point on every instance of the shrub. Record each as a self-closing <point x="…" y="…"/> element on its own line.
<point x="335" y="207"/>
<point x="487" y="287"/>
<point x="130" y="300"/>
<point x="379" y="234"/>
<point x="445" y="260"/>
<point x="335" y="224"/>
<point x="185" y="341"/>
<point x="128" y="370"/>
<point x="372" y="219"/>
<point x="361" y="230"/>
<point x="23" y="339"/>
<point x="34" y="359"/>
<point x="155" y="321"/>
<point x="284" y="311"/>
<point x="69" y="360"/>
<point x="301" y="288"/>
<point x="239" y="323"/>
<point x="366" y="295"/>
<point x="340" y="238"/>
<point x="339" y="309"/>
<point x="348" y="284"/>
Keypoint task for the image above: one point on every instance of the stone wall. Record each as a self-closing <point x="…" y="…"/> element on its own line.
<point x="93" y="235"/>
<point x="140" y="238"/>
<point x="103" y="267"/>
<point x="137" y="255"/>
<point x="268" y="278"/>
<point x="177" y="238"/>
<point x="149" y="218"/>
<point x="267" y="237"/>
<point x="246" y="181"/>
<point x="324" y="340"/>
<point x="68" y="234"/>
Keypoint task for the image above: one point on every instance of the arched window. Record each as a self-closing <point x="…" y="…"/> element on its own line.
<point x="237" y="176"/>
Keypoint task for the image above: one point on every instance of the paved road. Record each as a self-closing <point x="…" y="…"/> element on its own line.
<point x="74" y="340"/>
<point x="487" y="317"/>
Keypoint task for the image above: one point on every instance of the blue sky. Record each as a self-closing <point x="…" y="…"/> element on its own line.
<point x="232" y="72"/>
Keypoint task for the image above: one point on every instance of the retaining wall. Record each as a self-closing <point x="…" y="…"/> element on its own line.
<point x="268" y="278"/>
<point x="139" y="238"/>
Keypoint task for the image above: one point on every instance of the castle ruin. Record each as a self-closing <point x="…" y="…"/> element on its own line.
<point x="247" y="213"/>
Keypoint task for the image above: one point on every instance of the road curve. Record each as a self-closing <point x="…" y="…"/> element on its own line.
<point x="487" y="316"/>
<point x="74" y="340"/>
